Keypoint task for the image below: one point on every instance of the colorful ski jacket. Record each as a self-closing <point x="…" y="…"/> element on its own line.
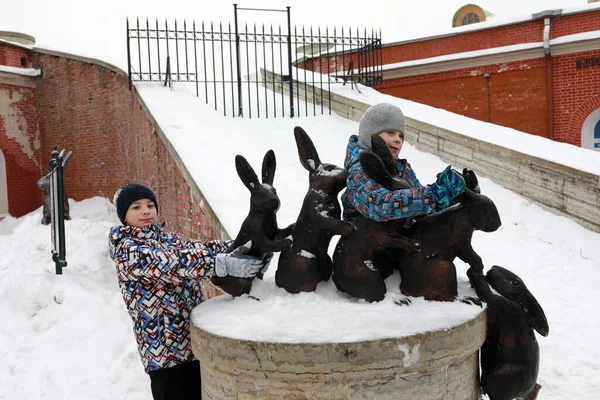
<point x="365" y="196"/>
<point x="159" y="278"/>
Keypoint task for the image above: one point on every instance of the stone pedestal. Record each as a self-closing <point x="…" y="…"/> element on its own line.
<point x="435" y="365"/>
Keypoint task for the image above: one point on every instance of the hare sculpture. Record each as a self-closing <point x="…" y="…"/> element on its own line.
<point x="306" y="263"/>
<point x="260" y="226"/>
<point x="510" y="355"/>
<point x="354" y="271"/>
<point x="443" y="236"/>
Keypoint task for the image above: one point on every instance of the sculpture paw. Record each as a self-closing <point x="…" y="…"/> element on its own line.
<point x="402" y="302"/>
<point x="471" y="301"/>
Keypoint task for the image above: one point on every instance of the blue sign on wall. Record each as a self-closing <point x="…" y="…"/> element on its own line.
<point x="597" y="135"/>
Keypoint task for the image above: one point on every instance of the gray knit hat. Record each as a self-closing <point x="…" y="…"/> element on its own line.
<point x="380" y="118"/>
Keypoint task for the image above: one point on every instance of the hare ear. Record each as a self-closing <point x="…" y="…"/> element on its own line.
<point x="382" y="150"/>
<point x="268" y="168"/>
<point x="246" y="173"/>
<point x="306" y="150"/>
<point x="373" y="166"/>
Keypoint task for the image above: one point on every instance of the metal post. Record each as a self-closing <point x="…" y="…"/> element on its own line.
<point x="238" y="66"/>
<point x="128" y="57"/>
<point x="62" y="251"/>
<point x="56" y="168"/>
<point x="291" y="83"/>
<point x="489" y="103"/>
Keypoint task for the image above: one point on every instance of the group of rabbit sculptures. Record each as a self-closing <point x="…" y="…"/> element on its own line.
<point x="369" y="251"/>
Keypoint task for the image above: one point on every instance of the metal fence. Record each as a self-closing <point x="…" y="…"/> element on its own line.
<point x="227" y="65"/>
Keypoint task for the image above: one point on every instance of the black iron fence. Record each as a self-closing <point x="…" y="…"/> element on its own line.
<point x="256" y="71"/>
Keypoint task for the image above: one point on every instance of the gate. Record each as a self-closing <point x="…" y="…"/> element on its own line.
<point x="257" y="71"/>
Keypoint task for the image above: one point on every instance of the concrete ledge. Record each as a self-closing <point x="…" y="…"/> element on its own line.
<point x="435" y="365"/>
<point x="560" y="189"/>
<point x="17" y="37"/>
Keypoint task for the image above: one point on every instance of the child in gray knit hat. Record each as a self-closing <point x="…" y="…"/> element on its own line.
<point x="365" y="196"/>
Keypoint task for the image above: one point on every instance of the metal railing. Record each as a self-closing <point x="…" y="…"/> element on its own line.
<point x="55" y="179"/>
<point x="223" y="63"/>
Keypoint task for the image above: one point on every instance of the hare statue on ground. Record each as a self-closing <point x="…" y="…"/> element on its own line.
<point x="353" y="269"/>
<point x="443" y="236"/>
<point x="510" y="355"/>
<point x="306" y="263"/>
<point x="260" y="226"/>
<point x="44" y="184"/>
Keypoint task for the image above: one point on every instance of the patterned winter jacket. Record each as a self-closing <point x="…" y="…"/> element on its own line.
<point x="365" y="196"/>
<point x="159" y="278"/>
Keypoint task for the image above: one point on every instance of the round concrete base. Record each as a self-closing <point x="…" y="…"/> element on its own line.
<point x="440" y="364"/>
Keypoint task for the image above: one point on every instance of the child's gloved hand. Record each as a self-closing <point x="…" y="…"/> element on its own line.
<point x="471" y="180"/>
<point x="238" y="263"/>
<point x="448" y="185"/>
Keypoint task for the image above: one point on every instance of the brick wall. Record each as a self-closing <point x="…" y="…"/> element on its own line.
<point x="576" y="95"/>
<point x="13" y="56"/>
<point x="87" y="107"/>
<point x="20" y="143"/>
<point x="517" y="93"/>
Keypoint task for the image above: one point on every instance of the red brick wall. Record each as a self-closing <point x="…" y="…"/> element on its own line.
<point x="12" y="56"/>
<point x="469" y="41"/>
<point x="19" y="141"/>
<point x="574" y="23"/>
<point x="517" y="93"/>
<point x="576" y="95"/>
<point x="89" y="109"/>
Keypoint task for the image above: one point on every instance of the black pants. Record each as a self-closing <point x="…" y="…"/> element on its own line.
<point x="181" y="382"/>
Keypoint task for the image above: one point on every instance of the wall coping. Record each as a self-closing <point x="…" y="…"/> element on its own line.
<point x="490" y="56"/>
<point x="14" y="78"/>
<point x="18" y="37"/>
<point x="82" y="59"/>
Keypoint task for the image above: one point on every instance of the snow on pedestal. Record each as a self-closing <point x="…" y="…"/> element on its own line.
<point x="326" y="345"/>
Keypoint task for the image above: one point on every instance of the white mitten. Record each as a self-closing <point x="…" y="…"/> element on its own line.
<point x="238" y="263"/>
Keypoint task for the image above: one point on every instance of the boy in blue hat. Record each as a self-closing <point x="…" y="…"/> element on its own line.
<point x="159" y="276"/>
